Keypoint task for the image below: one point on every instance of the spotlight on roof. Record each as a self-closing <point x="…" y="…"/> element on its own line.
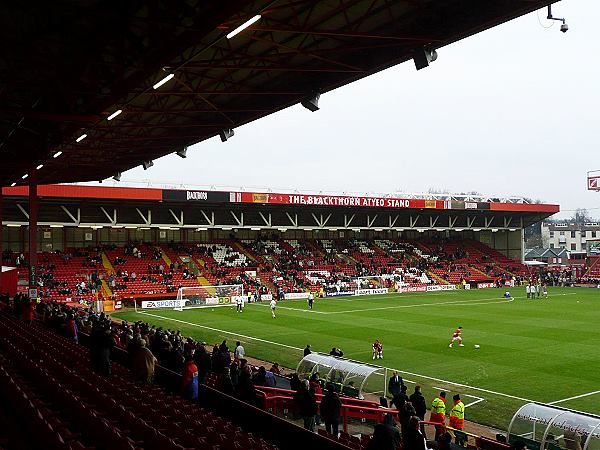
<point x="147" y="164"/>
<point x="13" y="184"/>
<point x="225" y="134"/>
<point x="117" y="176"/>
<point x="182" y="153"/>
<point x="311" y="102"/>
<point x="422" y="57"/>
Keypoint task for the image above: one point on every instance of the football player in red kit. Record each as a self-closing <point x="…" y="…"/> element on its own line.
<point x="456" y="337"/>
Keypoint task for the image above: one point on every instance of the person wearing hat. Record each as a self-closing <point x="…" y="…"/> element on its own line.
<point x="457" y="418"/>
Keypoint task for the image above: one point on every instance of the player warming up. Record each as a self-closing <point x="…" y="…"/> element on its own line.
<point x="273" y="305"/>
<point x="456" y="337"/>
<point x="377" y="349"/>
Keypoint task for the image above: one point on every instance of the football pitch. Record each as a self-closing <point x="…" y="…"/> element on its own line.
<point x="530" y="350"/>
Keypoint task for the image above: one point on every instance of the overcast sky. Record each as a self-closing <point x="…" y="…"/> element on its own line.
<point x="513" y="110"/>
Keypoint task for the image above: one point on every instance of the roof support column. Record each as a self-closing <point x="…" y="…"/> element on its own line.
<point x="1" y="242"/>
<point x="33" y="219"/>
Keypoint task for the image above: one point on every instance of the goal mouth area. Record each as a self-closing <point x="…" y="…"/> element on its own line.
<point x="193" y="297"/>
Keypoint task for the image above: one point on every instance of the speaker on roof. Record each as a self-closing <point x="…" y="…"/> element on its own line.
<point x="311" y="102"/>
<point x="422" y="57"/>
<point x="225" y="134"/>
<point x="182" y="153"/>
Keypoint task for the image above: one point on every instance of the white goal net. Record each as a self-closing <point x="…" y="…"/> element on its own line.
<point x="201" y="296"/>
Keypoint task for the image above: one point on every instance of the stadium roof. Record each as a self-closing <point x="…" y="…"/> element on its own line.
<point x="79" y="205"/>
<point x="67" y="66"/>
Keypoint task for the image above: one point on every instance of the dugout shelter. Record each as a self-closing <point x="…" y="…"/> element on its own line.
<point x="554" y="428"/>
<point x="348" y="377"/>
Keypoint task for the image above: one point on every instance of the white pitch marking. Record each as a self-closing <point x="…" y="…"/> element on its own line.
<point x="478" y="399"/>
<point x="220" y="331"/>
<point x="478" y="301"/>
<point x="575" y="397"/>
<point x="489" y="391"/>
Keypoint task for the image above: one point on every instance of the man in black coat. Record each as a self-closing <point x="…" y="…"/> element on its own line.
<point x="386" y="436"/>
<point x="331" y="406"/>
<point x="401" y="398"/>
<point x="307" y="405"/>
<point x="414" y="439"/>
<point x="395" y="383"/>
<point x="418" y="402"/>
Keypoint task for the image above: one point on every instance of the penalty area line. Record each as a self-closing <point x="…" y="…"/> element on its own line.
<point x="574" y="398"/>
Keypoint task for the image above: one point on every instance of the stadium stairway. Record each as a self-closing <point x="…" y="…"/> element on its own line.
<point x="204" y="282"/>
<point x="165" y="257"/>
<point x="437" y="278"/>
<point x="106" y="290"/>
<point x="244" y="251"/>
<point x="107" y="264"/>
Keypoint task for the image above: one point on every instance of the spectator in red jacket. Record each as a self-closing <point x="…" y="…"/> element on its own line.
<point x="72" y="330"/>
<point x="189" y="379"/>
<point x="28" y="311"/>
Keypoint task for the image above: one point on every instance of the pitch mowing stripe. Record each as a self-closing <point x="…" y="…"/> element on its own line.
<point x="477" y="301"/>
<point x="426" y="377"/>
<point x="300" y="349"/>
<point x="221" y="331"/>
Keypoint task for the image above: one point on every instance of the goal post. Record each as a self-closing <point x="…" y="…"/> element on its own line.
<point x="189" y="297"/>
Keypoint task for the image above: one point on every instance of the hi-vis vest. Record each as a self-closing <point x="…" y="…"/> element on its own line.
<point x="457" y="415"/>
<point x="438" y="410"/>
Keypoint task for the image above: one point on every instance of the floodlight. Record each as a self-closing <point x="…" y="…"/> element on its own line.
<point x="182" y="153"/>
<point x="147" y="164"/>
<point x="115" y="114"/>
<point x="117" y="176"/>
<point x="163" y="81"/>
<point x="243" y="26"/>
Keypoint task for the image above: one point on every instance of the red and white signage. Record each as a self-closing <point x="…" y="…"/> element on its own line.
<point x="338" y="200"/>
<point x="404" y="289"/>
<point x="485" y="285"/>
<point x="594" y="183"/>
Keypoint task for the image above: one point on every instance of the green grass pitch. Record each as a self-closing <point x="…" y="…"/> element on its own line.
<point x="541" y="350"/>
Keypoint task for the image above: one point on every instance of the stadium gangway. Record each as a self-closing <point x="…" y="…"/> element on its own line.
<point x="554" y="428"/>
